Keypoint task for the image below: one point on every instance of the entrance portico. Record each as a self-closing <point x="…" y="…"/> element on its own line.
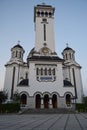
<point x="46" y="101"/>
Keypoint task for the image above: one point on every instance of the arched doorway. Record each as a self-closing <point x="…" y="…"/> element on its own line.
<point x="24" y="99"/>
<point x="68" y="100"/>
<point x="54" y="101"/>
<point x="38" y="101"/>
<point x="46" y="101"/>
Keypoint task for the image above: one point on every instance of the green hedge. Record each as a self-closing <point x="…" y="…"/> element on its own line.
<point x="81" y="107"/>
<point x="9" y="108"/>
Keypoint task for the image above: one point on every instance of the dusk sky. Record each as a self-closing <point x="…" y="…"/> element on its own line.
<point x="70" y="26"/>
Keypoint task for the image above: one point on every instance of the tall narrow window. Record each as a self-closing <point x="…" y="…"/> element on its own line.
<point x="45" y="71"/>
<point x="49" y="71"/>
<point x="26" y="75"/>
<point x="70" y="55"/>
<point x="20" y="54"/>
<point x="74" y="79"/>
<point x="44" y="32"/>
<point x="16" y="53"/>
<point x="54" y="71"/>
<point x="66" y="57"/>
<point x="41" y="71"/>
<point x="37" y="71"/>
<point x="13" y="79"/>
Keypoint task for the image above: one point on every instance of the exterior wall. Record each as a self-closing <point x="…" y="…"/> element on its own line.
<point x="78" y="80"/>
<point x="79" y="86"/>
<point x="39" y="34"/>
<point x="22" y="72"/>
<point x="66" y="73"/>
<point x="8" y="80"/>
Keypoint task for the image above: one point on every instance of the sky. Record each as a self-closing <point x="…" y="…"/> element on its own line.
<point x="70" y="26"/>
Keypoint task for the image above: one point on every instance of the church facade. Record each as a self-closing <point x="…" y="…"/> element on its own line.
<point x="44" y="80"/>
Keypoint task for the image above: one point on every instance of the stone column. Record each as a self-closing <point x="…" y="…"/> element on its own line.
<point x="42" y="103"/>
<point x="50" y="103"/>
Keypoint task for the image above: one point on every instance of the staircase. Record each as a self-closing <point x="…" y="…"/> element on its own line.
<point x="47" y="111"/>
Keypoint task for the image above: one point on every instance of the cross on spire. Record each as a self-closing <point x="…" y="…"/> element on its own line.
<point x="67" y="44"/>
<point x="18" y="41"/>
<point x="43" y="3"/>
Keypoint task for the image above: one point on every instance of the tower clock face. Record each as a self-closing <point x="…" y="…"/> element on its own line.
<point x="45" y="50"/>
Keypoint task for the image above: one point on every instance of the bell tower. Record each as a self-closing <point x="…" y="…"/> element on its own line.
<point x="44" y="30"/>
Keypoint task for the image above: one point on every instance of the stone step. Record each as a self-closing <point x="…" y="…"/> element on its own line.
<point x="47" y="111"/>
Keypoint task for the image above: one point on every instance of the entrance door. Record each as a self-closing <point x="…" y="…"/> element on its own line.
<point x="38" y="101"/>
<point x="68" y="100"/>
<point x="54" y="101"/>
<point x="23" y="99"/>
<point x="46" y="101"/>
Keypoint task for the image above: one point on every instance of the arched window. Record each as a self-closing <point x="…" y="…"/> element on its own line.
<point x="42" y="13"/>
<point x="54" y="71"/>
<point x="16" y="53"/>
<point x="46" y="14"/>
<point x="20" y="54"/>
<point x="13" y="54"/>
<point x="50" y="14"/>
<point x="38" y="13"/>
<point x="37" y="71"/>
<point x="66" y="57"/>
<point x="41" y="71"/>
<point x="45" y="71"/>
<point x="70" y="55"/>
<point x="49" y="71"/>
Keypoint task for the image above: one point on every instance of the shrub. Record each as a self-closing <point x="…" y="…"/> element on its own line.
<point x="3" y="96"/>
<point x="9" y="108"/>
<point x="81" y="107"/>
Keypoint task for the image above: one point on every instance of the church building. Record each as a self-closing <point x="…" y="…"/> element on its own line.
<point x="45" y="80"/>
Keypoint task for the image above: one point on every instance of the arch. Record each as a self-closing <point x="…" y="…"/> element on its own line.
<point x="23" y="99"/>
<point x="38" y="101"/>
<point x="24" y="92"/>
<point x="46" y="101"/>
<point x="37" y="93"/>
<point x="57" y="94"/>
<point x="54" y="101"/>
<point x="47" y="93"/>
<point x="68" y="93"/>
<point x="46" y="14"/>
<point x="68" y="99"/>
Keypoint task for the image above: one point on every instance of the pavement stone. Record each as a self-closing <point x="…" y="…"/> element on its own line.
<point x="44" y="122"/>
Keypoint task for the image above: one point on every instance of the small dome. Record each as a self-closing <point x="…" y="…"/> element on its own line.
<point x="24" y="82"/>
<point x="18" y="46"/>
<point x="67" y="83"/>
<point x="31" y="52"/>
<point x="67" y="49"/>
<point x="68" y="53"/>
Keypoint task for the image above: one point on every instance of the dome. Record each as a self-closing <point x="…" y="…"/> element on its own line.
<point x="67" y="49"/>
<point x="68" y="54"/>
<point x="18" y="46"/>
<point x="67" y="83"/>
<point x="24" y="82"/>
<point x="31" y="52"/>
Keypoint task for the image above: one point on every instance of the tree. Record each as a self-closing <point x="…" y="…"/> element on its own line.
<point x="85" y="100"/>
<point x="3" y="96"/>
<point x="16" y="97"/>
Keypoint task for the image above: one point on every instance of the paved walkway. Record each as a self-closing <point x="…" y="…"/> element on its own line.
<point x="44" y="122"/>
